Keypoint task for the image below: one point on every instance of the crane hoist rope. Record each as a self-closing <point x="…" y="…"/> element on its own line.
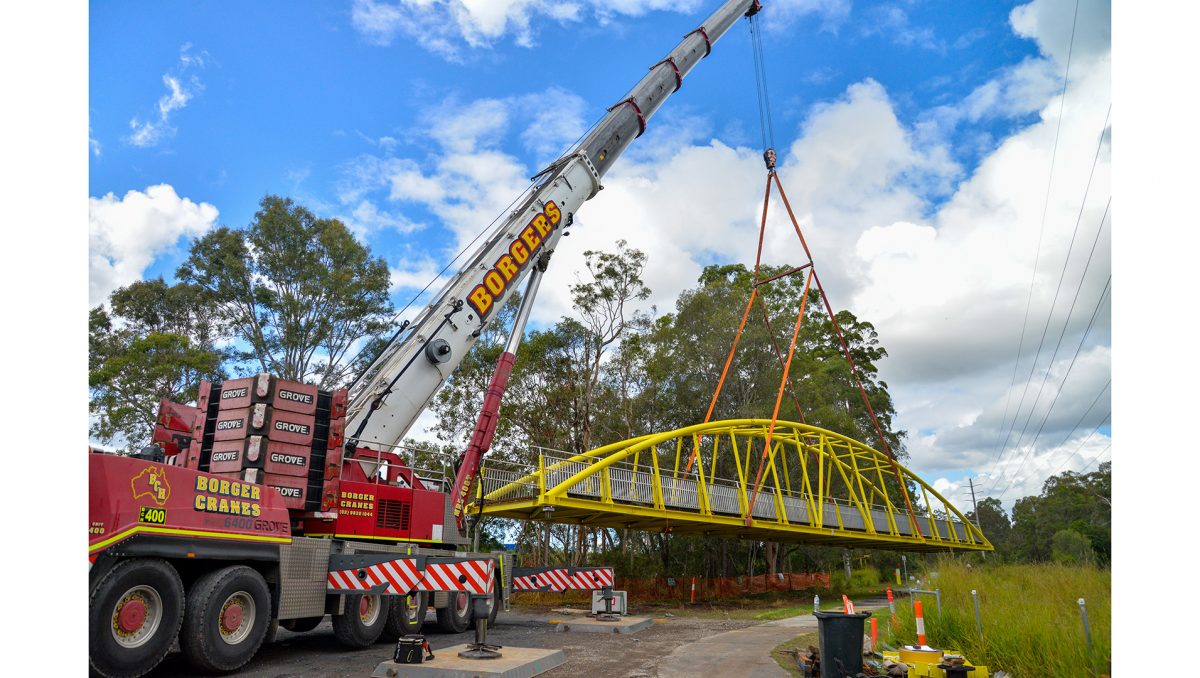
<point x="769" y="158"/>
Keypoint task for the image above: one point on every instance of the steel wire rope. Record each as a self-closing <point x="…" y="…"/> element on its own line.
<point x="1096" y="459"/>
<point x="1057" y="290"/>
<point x="568" y="149"/>
<point x="760" y="77"/>
<point x="758" y="88"/>
<point x="1083" y="442"/>
<point x="998" y="450"/>
<point x="1078" y="350"/>
<point x="1088" y="411"/>
<point x="1066" y="324"/>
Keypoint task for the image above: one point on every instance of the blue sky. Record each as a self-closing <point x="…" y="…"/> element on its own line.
<point x="915" y="140"/>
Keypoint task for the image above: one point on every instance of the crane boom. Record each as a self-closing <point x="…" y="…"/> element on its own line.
<point x="396" y="388"/>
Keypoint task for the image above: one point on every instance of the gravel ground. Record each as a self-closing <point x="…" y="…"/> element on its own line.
<point x="317" y="653"/>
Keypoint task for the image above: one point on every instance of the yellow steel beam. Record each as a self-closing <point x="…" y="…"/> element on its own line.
<point x="581" y="487"/>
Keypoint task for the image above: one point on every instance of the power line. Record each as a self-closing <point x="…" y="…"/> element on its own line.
<point x="1057" y="290"/>
<point x="1041" y="232"/>
<point x="1074" y="358"/>
<point x="1084" y="442"/>
<point x="1062" y="334"/>
<point x="1073" y="429"/>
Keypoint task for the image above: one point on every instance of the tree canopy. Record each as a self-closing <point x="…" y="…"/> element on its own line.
<point x="295" y="290"/>
<point x="291" y="294"/>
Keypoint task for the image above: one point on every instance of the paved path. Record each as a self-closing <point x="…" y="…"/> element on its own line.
<point x="744" y="653"/>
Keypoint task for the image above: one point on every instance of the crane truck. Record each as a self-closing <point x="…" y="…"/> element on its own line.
<point x="273" y="503"/>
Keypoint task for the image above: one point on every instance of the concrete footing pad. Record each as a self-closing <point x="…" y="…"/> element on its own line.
<point x="516" y="662"/>
<point x="622" y="625"/>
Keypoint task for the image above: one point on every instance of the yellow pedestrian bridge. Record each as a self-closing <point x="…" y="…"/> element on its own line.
<point x="814" y="486"/>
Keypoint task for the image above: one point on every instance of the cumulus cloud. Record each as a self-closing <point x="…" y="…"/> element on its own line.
<point x="126" y="234"/>
<point x="450" y="28"/>
<point x="938" y="257"/>
<point x="180" y="91"/>
<point x="471" y="179"/>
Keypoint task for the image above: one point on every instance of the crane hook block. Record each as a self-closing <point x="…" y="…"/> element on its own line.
<point x="769" y="158"/>
<point x="438" y="351"/>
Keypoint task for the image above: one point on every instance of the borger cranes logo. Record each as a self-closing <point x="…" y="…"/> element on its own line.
<point x="520" y="253"/>
<point x="152" y="483"/>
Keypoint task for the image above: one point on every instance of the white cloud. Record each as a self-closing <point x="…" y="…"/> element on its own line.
<point x="158" y="127"/>
<point x="471" y="179"/>
<point x="450" y="28"/>
<point x="126" y="234"/>
<point x="938" y="259"/>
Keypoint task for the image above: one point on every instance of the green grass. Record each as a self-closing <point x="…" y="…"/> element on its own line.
<point x="786" y="660"/>
<point x="1031" y="620"/>
<point x="785" y="612"/>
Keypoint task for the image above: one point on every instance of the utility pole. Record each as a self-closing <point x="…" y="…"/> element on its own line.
<point x="971" y="482"/>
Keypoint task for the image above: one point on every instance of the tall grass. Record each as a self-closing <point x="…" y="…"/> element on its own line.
<point x="1032" y="624"/>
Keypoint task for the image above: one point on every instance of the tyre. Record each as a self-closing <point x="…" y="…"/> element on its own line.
<point x="363" y="620"/>
<point x="272" y="631"/>
<point x="134" y="615"/>
<point x="456" y="616"/>
<point x="228" y="612"/>
<point x="406" y="616"/>
<point x="301" y="625"/>
<point x="493" y="606"/>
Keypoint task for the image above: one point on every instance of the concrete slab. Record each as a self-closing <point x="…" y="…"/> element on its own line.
<point x="622" y="625"/>
<point x="517" y="662"/>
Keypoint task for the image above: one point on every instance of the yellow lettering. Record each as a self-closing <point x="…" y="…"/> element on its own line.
<point x="201" y="484"/>
<point x="553" y="213"/>
<point x="254" y="493"/>
<point x="506" y="266"/>
<point x="255" y="510"/>
<point x="494" y="282"/>
<point x="519" y="253"/>
<point x="541" y="224"/>
<point x="210" y="504"/>
<point x="224" y="506"/>
<point x="531" y="238"/>
<point x="480" y="300"/>
<point x="223" y="487"/>
<point x="199" y="502"/>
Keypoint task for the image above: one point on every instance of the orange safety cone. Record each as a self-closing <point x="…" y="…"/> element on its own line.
<point x="920" y="615"/>
<point x="847" y="606"/>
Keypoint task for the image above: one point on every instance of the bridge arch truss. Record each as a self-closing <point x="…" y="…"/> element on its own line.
<point x="815" y="486"/>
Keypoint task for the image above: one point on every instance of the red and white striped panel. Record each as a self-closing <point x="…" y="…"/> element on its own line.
<point x="401" y="576"/>
<point x="561" y="579"/>
<point x="474" y="576"/>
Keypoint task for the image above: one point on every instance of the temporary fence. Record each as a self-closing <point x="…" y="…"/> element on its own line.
<point x="707" y="588"/>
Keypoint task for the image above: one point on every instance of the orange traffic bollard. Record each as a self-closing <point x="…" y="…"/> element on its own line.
<point x="874" y="635"/>
<point x="920" y="615"/>
<point x="693" y="590"/>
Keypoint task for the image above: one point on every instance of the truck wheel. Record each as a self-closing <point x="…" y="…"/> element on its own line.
<point x="228" y="611"/>
<point x="301" y="625"/>
<point x="134" y="615"/>
<point x="493" y="604"/>
<point x="363" y="621"/>
<point x="456" y="616"/>
<point x="406" y="616"/>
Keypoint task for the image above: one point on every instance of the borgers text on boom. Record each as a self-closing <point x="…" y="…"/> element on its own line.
<point x="520" y="252"/>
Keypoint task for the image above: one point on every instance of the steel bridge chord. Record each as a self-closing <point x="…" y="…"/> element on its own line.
<point x="832" y="489"/>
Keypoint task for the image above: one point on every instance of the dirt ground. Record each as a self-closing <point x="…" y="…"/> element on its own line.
<point x="317" y="653"/>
